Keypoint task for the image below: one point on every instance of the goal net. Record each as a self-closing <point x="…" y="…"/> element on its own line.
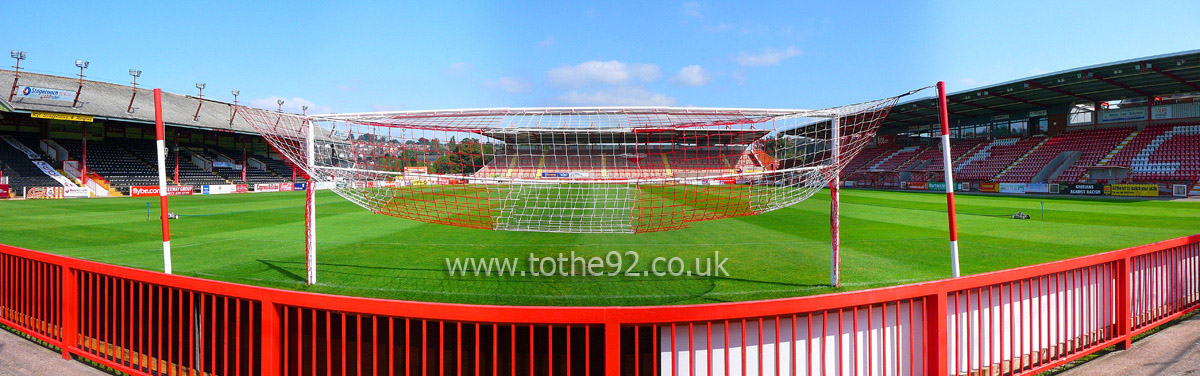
<point x="577" y="170"/>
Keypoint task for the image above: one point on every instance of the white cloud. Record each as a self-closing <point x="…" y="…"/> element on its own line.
<point x="692" y="9"/>
<point x="547" y="43"/>
<point x="508" y="84"/>
<point x="617" y="96"/>
<point x="602" y="72"/>
<point x="692" y="75"/>
<point x="293" y="105"/>
<point x="765" y="58"/>
<point x="458" y="69"/>
<point x="738" y="77"/>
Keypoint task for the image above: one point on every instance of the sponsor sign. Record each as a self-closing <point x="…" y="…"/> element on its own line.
<point x="172" y="190"/>
<point x="937" y="186"/>
<point x="556" y="174"/>
<point x="417" y="169"/>
<point x="240" y="188"/>
<point x="328" y="185"/>
<point x="1123" y="114"/>
<point x="1082" y="189"/>
<point x="965" y="187"/>
<point x="989" y="187"/>
<point x="222" y="189"/>
<point x="918" y="185"/>
<point x="1135" y="190"/>
<point x="269" y="187"/>
<point x="1037" y="188"/>
<point x="45" y="94"/>
<point x="223" y="164"/>
<point x="4" y="191"/>
<point x="1012" y="187"/>
<point x="76" y="192"/>
<point x="1160" y="112"/>
<point x="300" y="186"/>
<point x="1038" y="113"/>
<point x="848" y="184"/>
<point x="37" y="193"/>
<point x="60" y="116"/>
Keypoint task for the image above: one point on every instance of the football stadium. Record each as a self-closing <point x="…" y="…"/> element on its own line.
<point x="1008" y="229"/>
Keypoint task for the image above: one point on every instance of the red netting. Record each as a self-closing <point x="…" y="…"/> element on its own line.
<point x="596" y="170"/>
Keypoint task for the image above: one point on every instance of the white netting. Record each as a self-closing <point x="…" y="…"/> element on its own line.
<point x="580" y="170"/>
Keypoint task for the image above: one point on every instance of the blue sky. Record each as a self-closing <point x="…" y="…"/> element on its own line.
<point x="430" y="55"/>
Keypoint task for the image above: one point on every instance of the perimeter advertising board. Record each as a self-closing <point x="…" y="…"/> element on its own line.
<point x="918" y="185"/>
<point x="1037" y="188"/>
<point x="4" y="191"/>
<point x="222" y="189"/>
<point x="273" y="187"/>
<point x="989" y="187"/>
<point x="1134" y="190"/>
<point x="37" y="193"/>
<point x="172" y="190"/>
<point x="1012" y="187"/>
<point x="1082" y="189"/>
<point x="937" y="186"/>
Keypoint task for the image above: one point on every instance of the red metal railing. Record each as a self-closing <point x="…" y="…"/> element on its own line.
<point x="1018" y="321"/>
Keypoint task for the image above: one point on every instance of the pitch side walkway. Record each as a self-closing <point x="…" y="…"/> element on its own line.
<point x="21" y="357"/>
<point x="1171" y="351"/>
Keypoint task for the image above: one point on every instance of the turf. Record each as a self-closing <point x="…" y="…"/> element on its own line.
<point x="888" y="238"/>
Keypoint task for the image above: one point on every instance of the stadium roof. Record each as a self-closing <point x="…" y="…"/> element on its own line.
<point x="106" y="101"/>
<point x="1167" y="74"/>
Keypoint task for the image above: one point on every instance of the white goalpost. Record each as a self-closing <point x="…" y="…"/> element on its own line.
<point x="574" y="170"/>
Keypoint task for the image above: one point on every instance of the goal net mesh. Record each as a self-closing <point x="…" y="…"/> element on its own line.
<point x="576" y="170"/>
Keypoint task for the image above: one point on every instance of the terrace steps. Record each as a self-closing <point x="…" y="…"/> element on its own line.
<point x="1120" y="146"/>
<point x="1023" y="156"/>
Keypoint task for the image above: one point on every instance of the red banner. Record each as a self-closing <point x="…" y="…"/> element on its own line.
<point x="4" y="191"/>
<point x="989" y="187"/>
<point x="172" y="190"/>
<point x="240" y="188"/>
<point x="918" y="185"/>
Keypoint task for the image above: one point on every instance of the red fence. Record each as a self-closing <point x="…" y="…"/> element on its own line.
<point x="1019" y="321"/>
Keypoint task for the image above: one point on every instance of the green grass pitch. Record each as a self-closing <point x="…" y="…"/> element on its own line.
<point x="888" y="238"/>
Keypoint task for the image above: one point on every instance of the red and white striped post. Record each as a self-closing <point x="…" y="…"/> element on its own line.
<point x="310" y="209"/>
<point x="835" y="256"/>
<point x="944" y="118"/>
<point x="162" y="179"/>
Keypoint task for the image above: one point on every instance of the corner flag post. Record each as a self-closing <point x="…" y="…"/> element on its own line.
<point x="944" y="117"/>
<point x="310" y="210"/>
<point x="162" y="179"/>
<point x="835" y="256"/>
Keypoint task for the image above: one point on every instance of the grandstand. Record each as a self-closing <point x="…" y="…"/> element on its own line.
<point x="120" y="147"/>
<point x="1136" y="120"/>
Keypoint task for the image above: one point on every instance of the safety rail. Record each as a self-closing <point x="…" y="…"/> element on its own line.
<point x="1012" y="322"/>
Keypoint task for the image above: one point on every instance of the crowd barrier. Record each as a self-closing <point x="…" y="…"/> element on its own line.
<point x="1018" y="321"/>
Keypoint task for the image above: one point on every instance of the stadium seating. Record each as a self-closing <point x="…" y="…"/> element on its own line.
<point x="120" y="168"/>
<point x="992" y="158"/>
<point x="1092" y="144"/>
<point x="1168" y="152"/>
<point x="20" y="170"/>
